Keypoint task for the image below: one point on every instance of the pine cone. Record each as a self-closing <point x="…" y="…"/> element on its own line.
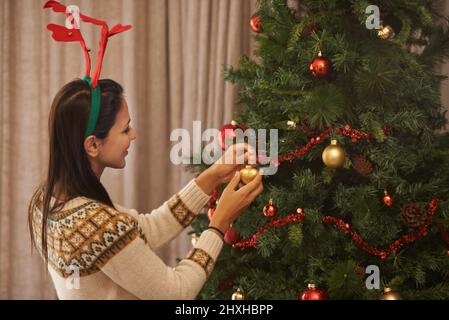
<point x="413" y="215"/>
<point x="362" y="165"/>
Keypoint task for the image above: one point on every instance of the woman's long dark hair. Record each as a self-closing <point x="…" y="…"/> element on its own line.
<point x="68" y="166"/>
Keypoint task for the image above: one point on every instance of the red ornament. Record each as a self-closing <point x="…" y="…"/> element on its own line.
<point x="213" y="198"/>
<point x="320" y="66"/>
<point x="210" y="213"/>
<point x="227" y="135"/>
<point x="388" y="200"/>
<point x="256" y="24"/>
<point x="312" y="293"/>
<point x="231" y="236"/>
<point x="270" y="210"/>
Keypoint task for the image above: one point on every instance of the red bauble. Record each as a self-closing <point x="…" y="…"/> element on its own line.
<point x="388" y="200"/>
<point x="270" y="210"/>
<point x="320" y="67"/>
<point x="231" y="236"/>
<point x="210" y="213"/>
<point x="312" y="293"/>
<point x="227" y="135"/>
<point x="256" y="24"/>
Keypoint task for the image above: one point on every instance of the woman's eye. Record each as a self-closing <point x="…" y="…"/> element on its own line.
<point x="127" y="130"/>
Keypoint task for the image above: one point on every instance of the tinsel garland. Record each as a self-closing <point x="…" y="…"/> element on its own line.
<point x="346" y="131"/>
<point x="274" y="223"/>
<point x="420" y="232"/>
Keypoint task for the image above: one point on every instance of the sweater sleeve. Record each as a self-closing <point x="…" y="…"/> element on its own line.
<point x="137" y="269"/>
<point x="166" y="222"/>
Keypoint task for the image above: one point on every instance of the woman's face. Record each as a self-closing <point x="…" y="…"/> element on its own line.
<point x="114" y="148"/>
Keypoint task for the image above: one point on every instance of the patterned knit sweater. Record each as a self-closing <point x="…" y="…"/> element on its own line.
<point x="98" y="252"/>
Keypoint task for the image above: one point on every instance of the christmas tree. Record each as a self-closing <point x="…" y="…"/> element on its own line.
<point x="359" y="206"/>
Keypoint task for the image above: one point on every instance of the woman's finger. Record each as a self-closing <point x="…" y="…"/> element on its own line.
<point x="234" y="181"/>
<point x="252" y="185"/>
<point x="253" y="195"/>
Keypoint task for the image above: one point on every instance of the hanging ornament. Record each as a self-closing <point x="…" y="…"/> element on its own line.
<point x="231" y="236"/>
<point x="333" y="155"/>
<point x="256" y="24"/>
<point x="413" y="215"/>
<point x="238" y="295"/>
<point x="362" y="165"/>
<point x="320" y="66"/>
<point x="386" y="32"/>
<point x="210" y="212"/>
<point x="312" y="293"/>
<point x="227" y="135"/>
<point x="213" y="198"/>
<point x="388" y="200"/>
<point x="390" y="27"/>
<point x="248" y="173"/>
<point x="291" y="124"/>
<point x="270" y="209"/>
<point x="194" y="239"/>
<point x="390" y="294"/>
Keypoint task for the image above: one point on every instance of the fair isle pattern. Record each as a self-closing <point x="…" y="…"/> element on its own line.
<point x="180" y="211"/>
<point x="203" y="259"/>
<point x="85" y="238"/>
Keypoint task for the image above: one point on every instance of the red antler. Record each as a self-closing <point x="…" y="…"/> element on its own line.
<point x="64" y="34"/>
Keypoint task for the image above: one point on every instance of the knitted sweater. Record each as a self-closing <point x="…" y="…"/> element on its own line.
<point x="98" y="252"/>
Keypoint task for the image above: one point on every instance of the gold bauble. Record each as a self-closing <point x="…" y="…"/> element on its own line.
<point x="248" y="173"/>
<point x="238" y="295"/>
<point x="390" y="294"/>
<point x="334" y="155"/>
<point x="386" y="32"/>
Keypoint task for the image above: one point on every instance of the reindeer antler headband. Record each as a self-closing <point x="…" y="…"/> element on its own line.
<point x="72" y="33"/>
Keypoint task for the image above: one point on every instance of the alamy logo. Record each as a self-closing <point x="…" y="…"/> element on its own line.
<point x="373" y="20"/>
<point x="373" y="280"/>
<point x="188" y="150"/>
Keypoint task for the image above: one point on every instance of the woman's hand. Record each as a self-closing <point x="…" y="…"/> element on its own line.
<point x="232" y="202"/>
<point x="222" y="171"/>
<point x="234" y="159"/>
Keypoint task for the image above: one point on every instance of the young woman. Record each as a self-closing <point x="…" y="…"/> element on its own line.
<point x="96" y="249"/>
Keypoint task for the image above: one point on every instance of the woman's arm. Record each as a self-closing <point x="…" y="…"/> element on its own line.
<point x="166" y="222"/>
<point x="138" y="270"/>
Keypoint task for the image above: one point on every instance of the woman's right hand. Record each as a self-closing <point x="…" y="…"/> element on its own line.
<point x="232" y="202"/>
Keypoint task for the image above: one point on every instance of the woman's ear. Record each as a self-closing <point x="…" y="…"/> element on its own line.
<point x="92" y="146"/>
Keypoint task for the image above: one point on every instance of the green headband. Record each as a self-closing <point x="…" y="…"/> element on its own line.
<point x="94" y="108"/>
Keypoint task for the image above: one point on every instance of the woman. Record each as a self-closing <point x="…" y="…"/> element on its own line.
<point x="98" y="250"/>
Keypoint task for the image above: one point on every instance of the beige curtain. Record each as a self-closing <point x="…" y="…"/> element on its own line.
<point x="170" y="64"/>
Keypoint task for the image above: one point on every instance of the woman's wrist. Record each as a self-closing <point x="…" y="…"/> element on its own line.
<point x="221" y="225"/>
<point x="208" y="181"/>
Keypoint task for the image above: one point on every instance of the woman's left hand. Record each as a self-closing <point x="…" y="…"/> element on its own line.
<point x="235" y="158"/>
<point x="223" y="170"/>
